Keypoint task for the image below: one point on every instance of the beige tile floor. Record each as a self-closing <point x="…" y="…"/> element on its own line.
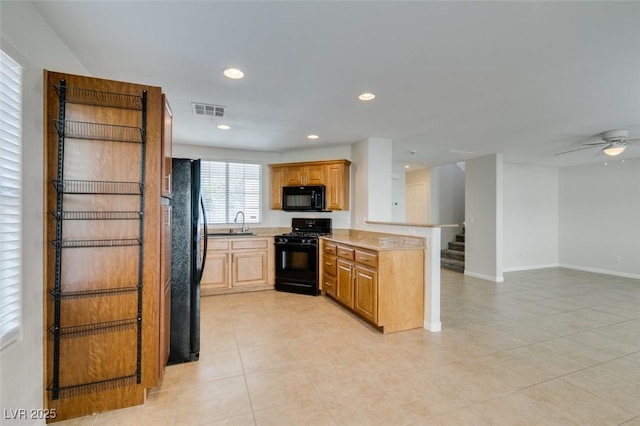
<point x="546" y="347"/>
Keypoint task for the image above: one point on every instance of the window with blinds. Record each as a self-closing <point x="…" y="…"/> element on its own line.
<point x="228" y="188"/>
<point x="10" y="200"/>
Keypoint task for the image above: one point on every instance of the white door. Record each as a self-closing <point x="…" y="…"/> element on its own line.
<point x="417" y="202"/>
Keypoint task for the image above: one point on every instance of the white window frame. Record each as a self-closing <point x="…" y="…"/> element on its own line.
<point x="11" y="204"/>
<point x="229" y="216"/>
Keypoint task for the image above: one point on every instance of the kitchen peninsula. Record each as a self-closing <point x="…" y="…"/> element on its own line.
<point x="378" y="276"/>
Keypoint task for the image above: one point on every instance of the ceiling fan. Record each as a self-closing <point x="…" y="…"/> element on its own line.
<point x="614" y="142"/>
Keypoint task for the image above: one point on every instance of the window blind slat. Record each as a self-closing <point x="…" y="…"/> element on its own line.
<point x="230" y="187"/>
<point x="10" y="200"/>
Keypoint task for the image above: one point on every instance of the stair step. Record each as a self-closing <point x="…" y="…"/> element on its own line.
<point x="456" y="246"/>
<point x="460" y="238"/>
<point x="452" y="254"/>
<point x="453" y="265"/>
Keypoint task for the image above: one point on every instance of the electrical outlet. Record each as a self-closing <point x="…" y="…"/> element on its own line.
<point x="616" y="259"/>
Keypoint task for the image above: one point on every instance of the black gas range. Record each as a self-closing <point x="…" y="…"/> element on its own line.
<point x="297" y="256"/>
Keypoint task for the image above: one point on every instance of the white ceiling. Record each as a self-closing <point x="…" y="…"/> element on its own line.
<point x="527" y="79"/>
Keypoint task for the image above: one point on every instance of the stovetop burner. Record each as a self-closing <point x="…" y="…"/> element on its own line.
<point x="304" y="234"/>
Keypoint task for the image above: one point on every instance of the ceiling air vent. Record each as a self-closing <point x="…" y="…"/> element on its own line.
<point x="209" y="110"/>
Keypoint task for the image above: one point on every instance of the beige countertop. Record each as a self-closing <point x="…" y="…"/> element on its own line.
<point x="376" y="240"/>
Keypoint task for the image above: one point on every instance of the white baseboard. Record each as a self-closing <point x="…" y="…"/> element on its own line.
<point x="530" y="267"/>
<point x="600" y="271"/>
<point x="485" y="277"/>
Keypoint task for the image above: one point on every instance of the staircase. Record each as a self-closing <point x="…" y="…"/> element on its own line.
<point x="453" y="257"/>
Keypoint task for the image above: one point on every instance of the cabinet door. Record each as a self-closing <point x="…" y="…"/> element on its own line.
<point x="314" y="175"/>
<point x="216" y="271"/>
<point x="277" y="182"/>
<point x="366" y="293"/>
<point x="167" y="142"/>
<point x="249" y="268"/>
<point x="294" y="175"/>
<point x="337" y="183"/>
<point x="344" y="284"/>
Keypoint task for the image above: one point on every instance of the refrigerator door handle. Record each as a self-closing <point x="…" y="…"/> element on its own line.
<point x="206" y="239"/>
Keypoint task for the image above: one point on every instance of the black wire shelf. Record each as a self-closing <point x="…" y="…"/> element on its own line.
<point x="76" y="95"/>
<point x="103" y="215"/>
<point x="94" y="329"/>
<point x="92" y="387"/>
<point x="120" y="242"/>
<point x="98" y="132"/>
<point x="96" y="187"/>
<point x="84" y="294"/>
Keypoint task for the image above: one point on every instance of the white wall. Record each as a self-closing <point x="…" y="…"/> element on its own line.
<point x="371" y="181"/>
<point x="379" y="178"/>
<point x="483" y="217"/>
<point x="359" y="184"/>
<point x="531" y="208"/>
<point x="398" y="192"/>
<point x="447" y="199"/>
<point x="21" y="366"/>
<point x="600" y="218"/>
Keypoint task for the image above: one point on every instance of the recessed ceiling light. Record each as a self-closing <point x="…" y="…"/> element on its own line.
<point x="366" y="96"/>
<point x="233" y="73"/>
<point x="223" y="127"/>
<point x="312" y="137"/>
<point x="407" y="166"/>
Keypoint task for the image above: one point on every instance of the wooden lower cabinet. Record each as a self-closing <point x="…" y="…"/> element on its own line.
<point x="249" y="268"/>
<point x="384" y="287"/>
<point x="238" y="264"/>
<point x="344" y="283"/>
<point x="216" y="271"/>
<point x="365" y="302"/>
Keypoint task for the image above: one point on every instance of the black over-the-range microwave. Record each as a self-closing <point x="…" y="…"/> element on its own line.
<point x="303" y="198"/>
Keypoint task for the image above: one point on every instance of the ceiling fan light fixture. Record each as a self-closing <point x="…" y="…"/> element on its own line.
<point x="614" y="150"/>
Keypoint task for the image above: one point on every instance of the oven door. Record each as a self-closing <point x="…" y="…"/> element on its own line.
<point x="297" y="268"/>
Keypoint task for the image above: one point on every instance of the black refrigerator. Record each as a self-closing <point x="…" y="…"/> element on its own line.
<point x="189" y="225"/>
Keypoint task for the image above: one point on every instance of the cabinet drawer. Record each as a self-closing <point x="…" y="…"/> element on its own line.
<point x="249" y="244"/>
<point x="345" y="252"/>
<point x="330" y="265"/>
<point x="365" y="258"/>
<point x="330" y="248"/>
<point x="329" y="285"/>
<point x="217" y="244"/>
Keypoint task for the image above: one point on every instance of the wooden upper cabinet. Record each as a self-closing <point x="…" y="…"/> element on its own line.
<point x="277" y="182"/>
<point x="314" y="175"/>
<point x="167" y="142"/>
<point x="333" y="174"/>
<point x="305" y="175"/>
<point x="337" y="181"/>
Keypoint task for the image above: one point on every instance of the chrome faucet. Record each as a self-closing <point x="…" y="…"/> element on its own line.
<point x="236" y="220"/>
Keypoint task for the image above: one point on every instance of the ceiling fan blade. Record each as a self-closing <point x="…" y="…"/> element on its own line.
<point x="634" y="140"/>
<point x="574" y="150"/>
<point x="595" y="143"/>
